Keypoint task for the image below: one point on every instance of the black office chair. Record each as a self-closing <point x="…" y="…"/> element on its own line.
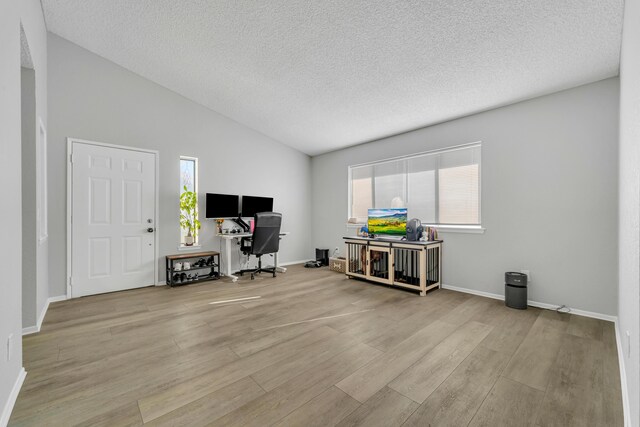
<point x="265" y="240"/>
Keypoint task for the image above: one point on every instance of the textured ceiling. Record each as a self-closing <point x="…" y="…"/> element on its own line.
<point x="322" y="75"/>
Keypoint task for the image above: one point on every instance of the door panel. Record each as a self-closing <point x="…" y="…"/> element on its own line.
<point x="99" y="257"/>
<point x="131" y="203"/>
<point x="113" y="200"/>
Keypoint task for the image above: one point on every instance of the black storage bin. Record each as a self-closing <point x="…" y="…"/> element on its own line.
<point x="515" y="290"/>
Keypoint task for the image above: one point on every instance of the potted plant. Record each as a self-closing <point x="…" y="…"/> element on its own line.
<point x="189" y="215"/>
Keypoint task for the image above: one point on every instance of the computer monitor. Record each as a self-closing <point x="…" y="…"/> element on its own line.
<point x="389" y="222"/>
<point x="252" y="205"/>
<point x="222" y="205"/>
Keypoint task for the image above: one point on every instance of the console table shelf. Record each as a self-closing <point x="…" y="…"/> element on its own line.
<point x="410" y="265"/>
<point x="209" y="260"/>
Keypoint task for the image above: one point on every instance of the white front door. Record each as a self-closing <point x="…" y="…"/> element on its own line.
<point x="113" y="219"/>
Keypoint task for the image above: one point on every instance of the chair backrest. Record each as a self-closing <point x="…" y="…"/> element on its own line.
<point x="266" y="233"/>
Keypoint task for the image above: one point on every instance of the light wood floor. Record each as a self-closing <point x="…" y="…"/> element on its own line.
<point x="316" y="349"/>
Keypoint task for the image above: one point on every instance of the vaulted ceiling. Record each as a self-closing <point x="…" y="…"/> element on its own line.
<point x="322" y="75"/>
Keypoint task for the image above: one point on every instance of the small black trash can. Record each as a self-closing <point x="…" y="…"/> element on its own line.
<point x="515" y="290"/>
<point x="322" y="255"/>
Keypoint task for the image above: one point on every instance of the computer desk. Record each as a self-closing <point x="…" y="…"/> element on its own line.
<point x="228" y="239"/>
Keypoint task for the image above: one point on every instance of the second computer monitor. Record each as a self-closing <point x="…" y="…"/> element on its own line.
<point x="251" y="205"/>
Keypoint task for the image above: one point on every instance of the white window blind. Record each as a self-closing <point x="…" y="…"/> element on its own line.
<point x="440" y="187"/>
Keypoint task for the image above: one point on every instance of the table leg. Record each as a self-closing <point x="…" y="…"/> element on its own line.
<point x="227" y="255"/>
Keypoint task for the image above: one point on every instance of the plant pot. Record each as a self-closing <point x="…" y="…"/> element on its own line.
<point x="188" y="241"/>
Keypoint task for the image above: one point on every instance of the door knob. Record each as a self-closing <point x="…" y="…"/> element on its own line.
<point x="150" y="230"/>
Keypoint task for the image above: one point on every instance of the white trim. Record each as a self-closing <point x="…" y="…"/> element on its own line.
<point x="30" y="330"/>
<point x="544" y="305"/>
<point x="469" y="229"/>
<point x="35" y="329"/>
<point x="162" y="283"/>
<point x="58" y="298"/>
<point x="13" y="396"/>
<point x="156" y="234"/>
<point x="189" y="248"/>
<point x="292" y="262"/>
<point x="196" y="188"/>
<point x="623" y="378"/>
<point x="42" y="183"/>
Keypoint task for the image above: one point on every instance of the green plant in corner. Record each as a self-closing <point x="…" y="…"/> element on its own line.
<point x="189" y="215"/>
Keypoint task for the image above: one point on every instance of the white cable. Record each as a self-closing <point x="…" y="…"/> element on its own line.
<point x="563" y="309"/>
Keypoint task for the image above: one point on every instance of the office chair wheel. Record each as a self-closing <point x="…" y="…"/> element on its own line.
<point x="253" y="277"/>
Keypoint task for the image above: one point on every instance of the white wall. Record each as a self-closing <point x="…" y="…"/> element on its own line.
<point x="629" y="249"/>
<point x="549" y="195"/>
<point x="94" y="99"/>
<point x="12" y="13"/>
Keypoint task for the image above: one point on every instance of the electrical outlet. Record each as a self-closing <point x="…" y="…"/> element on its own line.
<point x="528" y="275"/>
<point x="9" y="347"/>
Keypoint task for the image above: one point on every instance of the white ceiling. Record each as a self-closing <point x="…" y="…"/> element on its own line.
<point x="322" y="75"/>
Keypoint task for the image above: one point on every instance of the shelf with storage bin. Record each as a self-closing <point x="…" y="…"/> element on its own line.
<point x="199" y="263"/>
<point x="410" y="265"/>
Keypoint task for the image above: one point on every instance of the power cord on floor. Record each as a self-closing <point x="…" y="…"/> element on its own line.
<point x="563" y="309"/>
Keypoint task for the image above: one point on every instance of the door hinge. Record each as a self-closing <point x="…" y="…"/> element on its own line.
<point x="70" y="281"/>
<point x="71" y="157"/>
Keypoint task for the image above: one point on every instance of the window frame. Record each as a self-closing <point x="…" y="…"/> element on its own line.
<point x="196" y="243"/>
<point x="461" y="228"/>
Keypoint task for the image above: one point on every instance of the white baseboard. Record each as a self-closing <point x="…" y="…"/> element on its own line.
<point x="623" y="378"/>
<point x="13" y="396"/>
<point x="579" y="312"/>
<point x="35" y="329"/>
<point x="58" y="298"/>
<point x="162" y="283"/>
<point x="292" y="262"/>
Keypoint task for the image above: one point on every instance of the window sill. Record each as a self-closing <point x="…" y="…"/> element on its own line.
<point x="440" y="228"/>
<point x="459" y="229"/>
<point x="189" y="248"/>
<point x="356" y="225"/>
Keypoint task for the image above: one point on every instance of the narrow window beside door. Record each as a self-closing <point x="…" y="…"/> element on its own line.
<point x="188" y="179"/>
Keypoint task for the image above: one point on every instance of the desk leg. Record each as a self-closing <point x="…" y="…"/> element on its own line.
<point x="227" y="254"/>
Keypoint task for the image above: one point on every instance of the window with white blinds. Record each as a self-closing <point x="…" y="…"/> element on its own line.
<point x="439" y="187"/>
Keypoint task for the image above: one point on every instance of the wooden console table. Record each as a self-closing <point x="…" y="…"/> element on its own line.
<point x="411" y="265"/>
<point x="203" y="266"/>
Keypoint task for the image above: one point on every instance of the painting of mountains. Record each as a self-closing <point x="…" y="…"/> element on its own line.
<point x="388" y="221"/>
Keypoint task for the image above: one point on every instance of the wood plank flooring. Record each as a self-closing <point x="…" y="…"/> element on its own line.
<point x="315" y="349"/>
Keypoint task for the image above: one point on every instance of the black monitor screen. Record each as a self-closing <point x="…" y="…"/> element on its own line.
<point x="251" y="205"/>
<point x="222" y="205"/>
